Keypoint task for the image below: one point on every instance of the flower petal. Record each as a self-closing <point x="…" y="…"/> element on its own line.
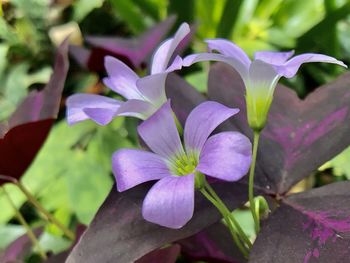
<point x="290" y="68"/>
<point x="101" y="116"/>
<point x="121" y="78"/>
<point x="170" y="202"/>
<point x="175" y="65"/>
<point x="89" y="106"/>
<point x="262" y="80"/>
<point x="162" y="56"/>
<point x="136" y="108"/>
<point x="226" y="156"/>
<point x="202" y="121"/>
<point x="134" y="167"/>
<point x="159" y="132"/>
<point x="229" y="49"/>
<point x="237" y="64"/>
<point x="152" y="88"/>
<point x="275" y="58"/>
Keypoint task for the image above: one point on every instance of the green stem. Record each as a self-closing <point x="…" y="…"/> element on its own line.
<point x="251" y="182"/>
<point x="24" y="223"/>
<point x="48" y="216"/>
<point x="238" y="242"/>
<point x="229" y="214"/>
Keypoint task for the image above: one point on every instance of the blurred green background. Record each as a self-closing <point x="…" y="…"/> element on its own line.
<point x="71" y="176"/>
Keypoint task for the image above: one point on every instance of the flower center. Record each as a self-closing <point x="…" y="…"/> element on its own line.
<point x="185" y="165"/>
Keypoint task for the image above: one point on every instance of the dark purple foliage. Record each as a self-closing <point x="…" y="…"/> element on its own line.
<point x="22" y="135"/>
<point x="313" y="226"/>
<point x="20" y="248"/>
<point x="213" y="244"/>
<point x="135" y="52"/>
<point x="165" y="255"/>
<point x="134" y="237"/>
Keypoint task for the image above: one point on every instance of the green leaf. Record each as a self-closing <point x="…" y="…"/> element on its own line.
<point x="7" y="33"/>
<point x="316" y="37"/>
<point x="246" y="221"/>
<point x="6" y="210"/>
<point x="62" y="214"/>
<point x="228" y="18"/>
<point x="154" y="10"/>
<point x="3" y="61"/>
<point x="305" y="14"/>
<point x="34" y="9"/>
<point x="208" y="12"/>
<point x="15" y="86"/>
<point x="81" y="8"/>
<point x="54" y="244"/>
<point x="184" y="9"/>
<point x="340" y="164"/>
<point x="130" y="14"/>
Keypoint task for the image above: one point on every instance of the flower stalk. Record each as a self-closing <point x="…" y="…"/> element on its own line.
<point x="238" y="235"/>
<point x="68" y="233"/>
<point x="47" y="216"/>
<point x="251" y="182"/>
<point x="24" y="223"/>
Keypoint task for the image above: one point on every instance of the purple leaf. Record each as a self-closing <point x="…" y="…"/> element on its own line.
<point x="165" y="255"/>
<point x="22" y="135"/>
<point x="119" y="224"/>
<point x="183" y="96"/>
<point x="300" y="135"/>
<point x="213" y="244"/>
<point x="19" y="248"/>
<point x="309" y="227"/>
<point x="133" y="51"/>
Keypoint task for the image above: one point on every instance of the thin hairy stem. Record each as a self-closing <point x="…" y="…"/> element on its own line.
<point x="229" y="214"/>
<point x="251" y="182"/>
<point x="24" y="223"/>
<point x="234" y="235"/>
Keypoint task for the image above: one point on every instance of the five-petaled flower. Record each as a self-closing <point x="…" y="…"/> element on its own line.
<point x="144" y="95"/>
<point x="261" y="75"/>
<point x="170" y="201"/>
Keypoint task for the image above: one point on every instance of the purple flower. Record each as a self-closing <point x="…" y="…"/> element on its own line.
<point x="170" y="202"/>
<point x="144" y="95"/>
<point x="261" y="75"/>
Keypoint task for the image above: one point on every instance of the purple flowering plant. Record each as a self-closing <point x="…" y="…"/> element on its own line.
<point x="186" y="161"/>
<point x="144" y="95"/>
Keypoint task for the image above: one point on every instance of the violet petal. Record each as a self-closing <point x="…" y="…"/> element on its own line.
<point x="229" y="49"/>
<point x="159" y="132"/>
<point x="202" y="121"/>
<point x="121" y="78"/>
<point x="152" y="87"/>
<point x="237" y="64"/>
<point x="170" y="202"/>
<point x="101" y="108"/>
<point x="226" y="156"/>
<point x="164" y="53"/>
<point x="272" y="57"/>
<point x="136" y="108"/>
<point x="290" y="68"/>
<point x="133" y="167"/>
